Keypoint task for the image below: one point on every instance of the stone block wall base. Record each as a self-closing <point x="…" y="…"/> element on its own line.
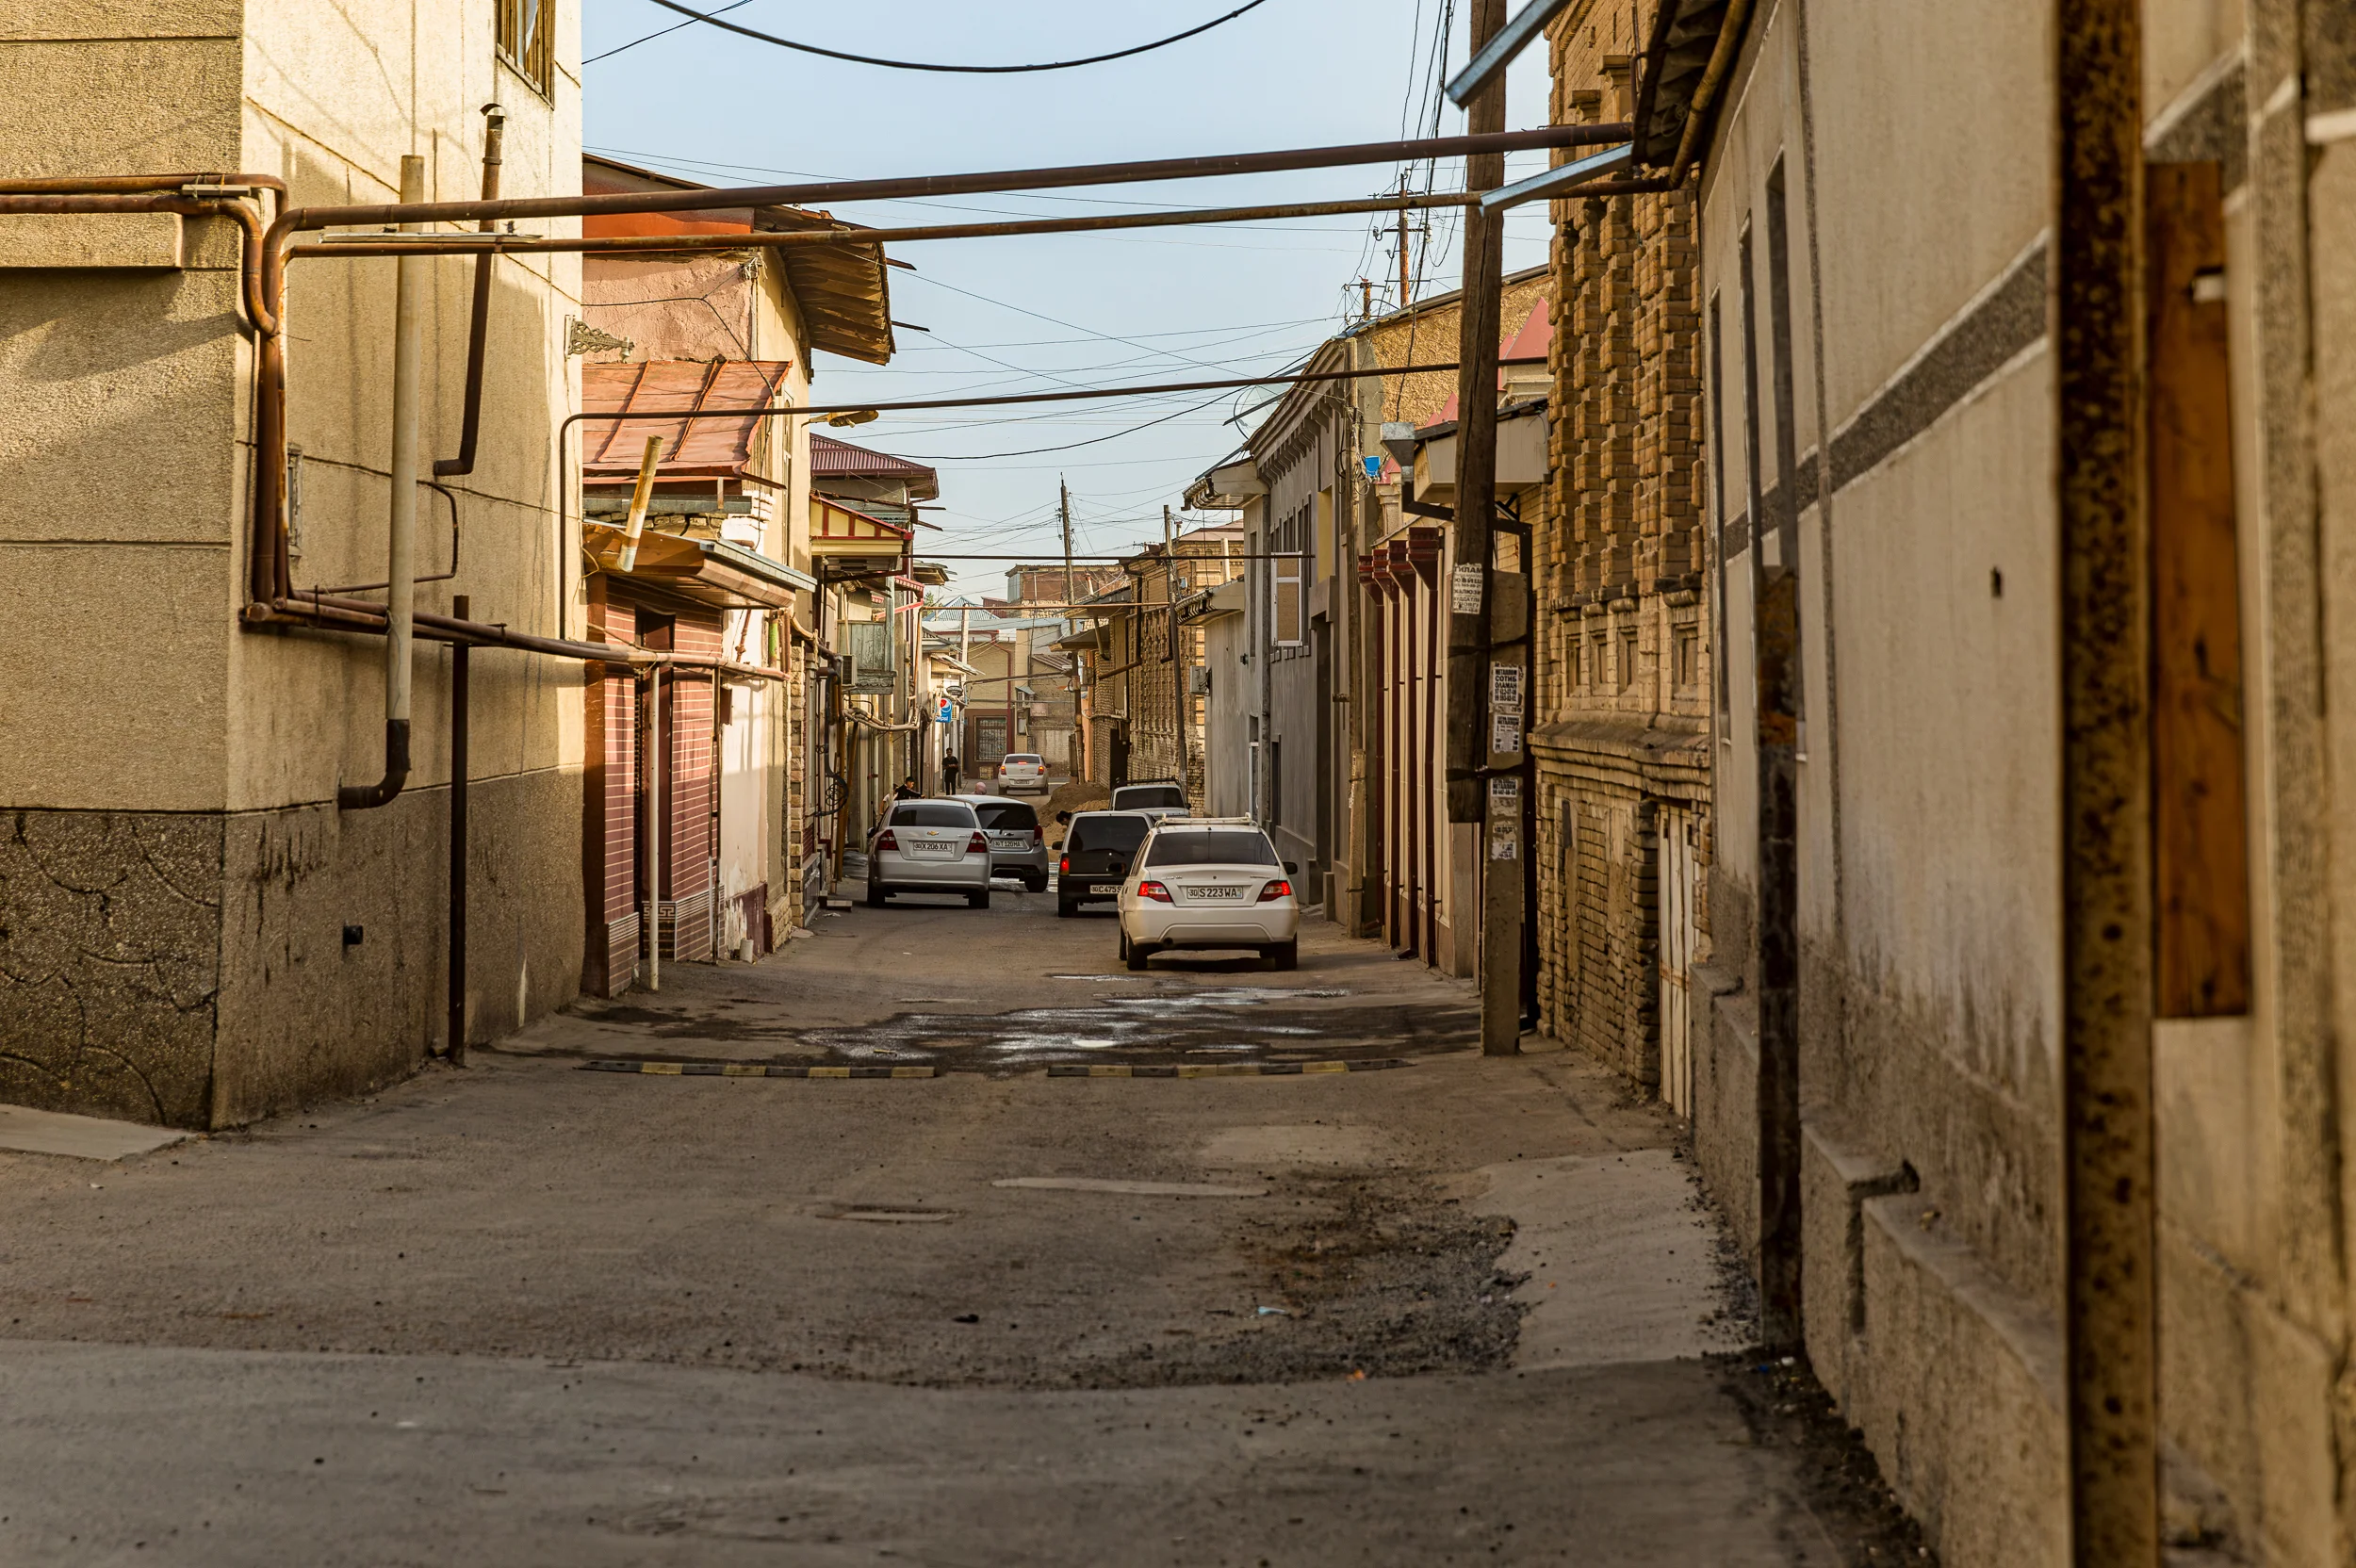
<point x="1725" y="1028"/>
<point x="1958" y="1384"/>
<point x="110" y="962"/>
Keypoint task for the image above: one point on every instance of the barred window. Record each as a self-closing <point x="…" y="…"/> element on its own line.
<point x="527" y="40"/>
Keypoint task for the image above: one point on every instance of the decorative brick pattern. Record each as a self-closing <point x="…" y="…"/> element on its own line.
<point x="1622" y="701"/>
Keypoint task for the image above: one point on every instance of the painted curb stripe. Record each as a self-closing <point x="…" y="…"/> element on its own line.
<point x="1225" y="1070"/>
<point x="755" y="1070"/>
<point x="1071" y="1070"/>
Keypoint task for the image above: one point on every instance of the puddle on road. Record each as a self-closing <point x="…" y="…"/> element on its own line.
<point x="1171" y="1021"/>
<point x="1235" y="1022"/>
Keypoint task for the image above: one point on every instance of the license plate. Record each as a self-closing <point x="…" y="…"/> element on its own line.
<point x="1104" y="890"/>
<point x="1009" y="841"/>
<point x="1210" y="895"/>
<point x="932" y="849"/>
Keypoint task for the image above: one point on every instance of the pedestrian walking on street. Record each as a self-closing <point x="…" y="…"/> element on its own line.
<point x="908" y="790"/>
<point x="950" y="769"/>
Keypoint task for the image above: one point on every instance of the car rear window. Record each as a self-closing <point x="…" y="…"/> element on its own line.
<point x="1220" y="846"/>
<point x="932" y="814"/>
<point x="1137" y="797"/>
<point x="1008" y="816"/>
<point x="1089" y="833"/>
<point x="1020" y="757"/>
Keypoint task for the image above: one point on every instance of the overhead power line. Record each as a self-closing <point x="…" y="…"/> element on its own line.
<point x="958" y="70"/>
<point x="660" y="32"/>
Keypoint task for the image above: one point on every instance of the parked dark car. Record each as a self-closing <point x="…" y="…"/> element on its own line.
<point x="1017" y="847"/>
<point x="1097" y="848"/>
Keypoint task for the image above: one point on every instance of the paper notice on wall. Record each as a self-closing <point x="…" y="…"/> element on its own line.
<point x="1505" y="791"/>
<point x="1505" y="735"/>
<point x="1464" y="589"/>
<point x="1505" y="691"/>
<point x="1505" y="839"/>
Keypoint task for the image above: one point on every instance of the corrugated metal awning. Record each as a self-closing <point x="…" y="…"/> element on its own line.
<point x="699" y="448"/>
<point x="843" y="290"/>
<point x="830" y="458"/>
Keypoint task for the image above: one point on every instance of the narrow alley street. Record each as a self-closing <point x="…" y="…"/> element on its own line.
<point x="1241" y="784"/>
<point x="1438" y="1309"/>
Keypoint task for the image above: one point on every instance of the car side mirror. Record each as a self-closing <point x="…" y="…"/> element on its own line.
<point x="1063" y="819"/>
<point x="1291" y="868"/>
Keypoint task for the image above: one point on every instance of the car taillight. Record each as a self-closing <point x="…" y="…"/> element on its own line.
<point x="1063" y="867"/>
<point x="977" y="844"/>
<point x="1038" y="837"/>
<point x="1153" y="890"/>
<point x="1276" y="889"/>
<point x="885" y="841"/>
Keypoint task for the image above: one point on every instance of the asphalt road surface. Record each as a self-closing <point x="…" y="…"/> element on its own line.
<point x="1454" y="1310"/>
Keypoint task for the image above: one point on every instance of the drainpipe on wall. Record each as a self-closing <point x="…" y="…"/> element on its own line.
<point x="401" y="595"/>
<point x="479" y="323"/>
<point x="650" y="759"/>
<point x="459" y="697"/>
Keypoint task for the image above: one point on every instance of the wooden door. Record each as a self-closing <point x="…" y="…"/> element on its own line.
<point x="1677" y="942"/>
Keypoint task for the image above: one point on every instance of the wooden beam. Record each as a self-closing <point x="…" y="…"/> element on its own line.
<point x="2200" y="798"/>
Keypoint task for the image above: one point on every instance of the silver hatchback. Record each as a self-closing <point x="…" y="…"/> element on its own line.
<point x="929" y="846"/>
<point x="1018" y="848"/>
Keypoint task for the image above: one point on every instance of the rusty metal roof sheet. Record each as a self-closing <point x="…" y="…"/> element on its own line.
<point x="700" y="448"/>
<point x="843" y="290"/>
<point x="834" y="459"/>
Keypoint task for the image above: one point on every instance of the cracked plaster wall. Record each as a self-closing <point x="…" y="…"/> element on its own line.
<point x="110" y="962"/>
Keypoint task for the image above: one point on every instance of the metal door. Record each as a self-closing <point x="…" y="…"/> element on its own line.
<point x="1677" y="936"/>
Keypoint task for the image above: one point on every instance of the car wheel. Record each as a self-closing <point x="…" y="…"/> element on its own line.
<point x="875" y="895"/>
<point x="979" y="900"/>
<point x="1066" y="909"/>
<point x="1036" y="884"/>
<point x="1286" y="954"/>
<point x="1134" y="954"/>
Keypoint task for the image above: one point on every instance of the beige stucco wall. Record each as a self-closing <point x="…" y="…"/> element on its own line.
<point x="1930" y="836"/>
<point x="138" y="695"/>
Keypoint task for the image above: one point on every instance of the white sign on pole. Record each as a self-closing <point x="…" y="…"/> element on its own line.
<point x="1505" y="839"/>
<point x="1505" y="735"/>
<point x="1464" y="589"/>
<point x="1504" y="790"/>
<point x="1505" y="690"/>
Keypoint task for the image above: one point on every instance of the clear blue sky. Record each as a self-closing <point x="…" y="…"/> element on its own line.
<point x="1038" y="313"/>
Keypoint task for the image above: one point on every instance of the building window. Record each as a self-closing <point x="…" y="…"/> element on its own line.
<point x="1688" y="650"/>
<point x="527" y="41"/>
<point x="1628" y="659"/>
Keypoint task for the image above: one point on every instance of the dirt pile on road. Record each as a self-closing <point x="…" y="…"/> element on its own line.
<point x="1081" y="794"/>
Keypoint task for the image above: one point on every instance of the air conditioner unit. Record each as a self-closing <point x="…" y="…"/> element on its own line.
<point x="1199" y="680"/>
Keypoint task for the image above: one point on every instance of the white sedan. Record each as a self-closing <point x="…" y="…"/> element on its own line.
<point x="1209" y="882"/>
<point x="1022" y="769"/>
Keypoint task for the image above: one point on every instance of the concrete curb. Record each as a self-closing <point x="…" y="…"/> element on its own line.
<point x="1224" y="1070"/>
<point x="1070" y="1069"/>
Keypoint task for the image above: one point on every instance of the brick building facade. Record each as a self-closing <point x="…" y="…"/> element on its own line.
<point x="1621" y="731"/>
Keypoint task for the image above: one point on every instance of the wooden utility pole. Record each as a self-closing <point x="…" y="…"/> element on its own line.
<point x="1177" y="664"/>
<point x="2110" y="1316"/>
<point x="1079" y="666"/>
<point x="1406" y="274"/>
<point x="1485" y="688"/>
